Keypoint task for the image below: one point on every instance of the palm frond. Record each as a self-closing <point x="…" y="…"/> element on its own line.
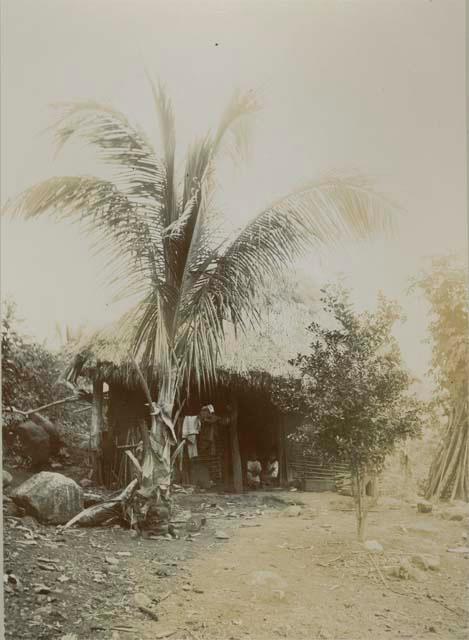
<point x="118" y="142"/>
<point x="165" y="115"/>
<point x="150" y="340"/>
<point x="235" y="124"/>
<point x="318" y="215"/>
<point x="321" y="214"/>
<point x="118" y="223"/>
<point x="200" y="162"/>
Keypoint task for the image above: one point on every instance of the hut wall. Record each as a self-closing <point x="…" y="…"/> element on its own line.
<point x="307" y="470"/>
<point x="126" y="410"/>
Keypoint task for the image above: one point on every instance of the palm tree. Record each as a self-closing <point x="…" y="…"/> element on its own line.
<point x="189" y="280"/>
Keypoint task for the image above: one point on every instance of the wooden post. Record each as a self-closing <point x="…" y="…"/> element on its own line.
<point x="97" y="425"/>
<point x="235" y="454"/>
<point x="282" y="467"/>
<point x="287" y="428"/>
<point x="227" y="466"/>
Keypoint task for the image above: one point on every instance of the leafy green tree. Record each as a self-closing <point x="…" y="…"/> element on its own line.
<point x="444" y="284"/>
<point x="355" y="390"/>
<point x="162" y="227"/>
<point x="29" y="370"/>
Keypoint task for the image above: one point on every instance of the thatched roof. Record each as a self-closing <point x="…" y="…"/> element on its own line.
<point x="254" y="358"/>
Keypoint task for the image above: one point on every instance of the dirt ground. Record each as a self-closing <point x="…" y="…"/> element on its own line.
<point x="257" y="569"/>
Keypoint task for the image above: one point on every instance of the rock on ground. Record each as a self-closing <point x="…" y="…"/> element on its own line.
<point x="292" y="512"/>
<point x="425" y="562"/>
<point x="423" y="506"/>
<point x="50" y="497"/>
<point x="408" y="571"/>
<point x="456" y="514"/>
<point x="55" y="439"/>
<point x="7" y="478"/>
<point x="35" y="442"/>
<point x="373" y="546"/>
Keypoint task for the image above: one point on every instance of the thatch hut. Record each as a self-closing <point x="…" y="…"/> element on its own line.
<point x="245" y="417"/>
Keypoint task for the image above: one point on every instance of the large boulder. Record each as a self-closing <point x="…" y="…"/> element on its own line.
<point x="55" y="439"/>
<point x="35" y="442"/>
<point x="50" y="497"/>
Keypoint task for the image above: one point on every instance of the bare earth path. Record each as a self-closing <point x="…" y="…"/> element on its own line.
<point x="305" y="577"/>
<point x="294" y="572"/>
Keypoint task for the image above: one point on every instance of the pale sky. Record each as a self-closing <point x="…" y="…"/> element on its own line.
<point x="361" y="86"/>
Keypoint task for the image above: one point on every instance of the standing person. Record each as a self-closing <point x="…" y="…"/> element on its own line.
<point x="272" y="470"/>
<point x="254" y="470"/>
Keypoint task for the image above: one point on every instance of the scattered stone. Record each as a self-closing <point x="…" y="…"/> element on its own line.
<point x="193" y="525"/>
<point x="292" y="512"/>
<point x="456" y="513"/>
<point x="7" y="478"/>
<point x="99" y="577"/>
<point x="417" y="574"/>
<point x="373" y="546"/>
<point x="268" y="579"/>
<point x="41" y="588"/>
<point x="426" y="562"/>
<point x="433" y="562"/>
<point x="57" y="465"/>
<point x="111" y="560"/>
<point x="221" y="535"/>
<point x="458" y="517"/>
<point x="10" y="579"/>
<point x="11" y="509"/>
<point x="459" y="550"/>
<point x="423" y="506"/>
<point x="30" y="522"/>
<point x="63" y="578"/>
<point x="124" y="554"/>
<point x="408" y="571"/>
<point x="86" y="482"/>
<point x="182" y="516"/>
<point x="142" y="600"/>
<point x="50" y="497"/>
<point x="250" y="524"/>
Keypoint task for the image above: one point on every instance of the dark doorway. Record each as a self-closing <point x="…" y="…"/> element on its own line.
<point x="258" y="428"/>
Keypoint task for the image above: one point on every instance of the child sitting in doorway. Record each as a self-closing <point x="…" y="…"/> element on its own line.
<point x="254" y="470"/>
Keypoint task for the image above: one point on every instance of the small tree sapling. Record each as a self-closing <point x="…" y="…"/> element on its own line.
<point x="355" y="392"/>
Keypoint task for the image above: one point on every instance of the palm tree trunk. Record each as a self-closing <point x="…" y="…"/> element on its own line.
<point x="156" y="467"/>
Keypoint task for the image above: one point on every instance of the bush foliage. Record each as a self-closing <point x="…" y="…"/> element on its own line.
<point x="355" y="391"/>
